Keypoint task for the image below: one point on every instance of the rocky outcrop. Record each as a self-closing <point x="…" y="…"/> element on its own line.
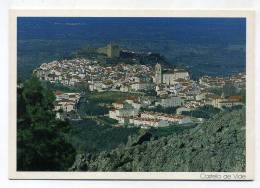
<point x="217" y="145"/>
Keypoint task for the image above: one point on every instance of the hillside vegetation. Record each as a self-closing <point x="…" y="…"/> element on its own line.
<point x="41" y="142"/>
<point x="218" y="145"/>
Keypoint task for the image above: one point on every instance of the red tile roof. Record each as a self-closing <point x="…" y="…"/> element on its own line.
<point x="58" y="93"/>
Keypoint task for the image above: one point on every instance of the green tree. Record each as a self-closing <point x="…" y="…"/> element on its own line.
<point x="41" y="143"/>
<point x="207" y="112"/>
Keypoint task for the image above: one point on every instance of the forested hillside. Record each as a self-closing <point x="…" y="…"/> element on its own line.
<point x="217" y="145"/>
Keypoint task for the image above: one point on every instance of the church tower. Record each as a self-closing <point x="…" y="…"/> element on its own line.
<point x="158" y="74"/>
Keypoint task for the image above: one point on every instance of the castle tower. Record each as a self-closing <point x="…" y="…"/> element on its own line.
<point x="113" y="50"/>
<point x="158" y="74"/>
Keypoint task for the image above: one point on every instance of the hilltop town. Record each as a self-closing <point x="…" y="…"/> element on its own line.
<point x="147" y="87"/>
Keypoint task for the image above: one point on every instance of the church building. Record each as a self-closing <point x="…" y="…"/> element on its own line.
<point x="169" y="77"/>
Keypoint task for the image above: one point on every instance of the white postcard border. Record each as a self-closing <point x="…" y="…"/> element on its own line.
<point x="250" y="96"/>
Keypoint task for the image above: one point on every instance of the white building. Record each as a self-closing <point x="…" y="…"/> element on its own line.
<point x="66" y="102"/>
<point x="118" y="104"/>
<point x="201" y="96"/>
<point x="176" y="119"/>
<point x="169" y="102"/>
<point x="96" y="86"/>
<point x="170" y="77"/>
<point x="219" y="102"/>
<point x="124" y="88"/>
<point x="181" y="74"/>
<point x="143" y="122"/>
<point x="134" y="102"/>
<point x="127" y="111"/>
<point x="141" y="86"/>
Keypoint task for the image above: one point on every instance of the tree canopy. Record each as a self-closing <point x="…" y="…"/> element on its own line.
<point x="41" y="143"/>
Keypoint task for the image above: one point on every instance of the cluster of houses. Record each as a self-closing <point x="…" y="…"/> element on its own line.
<point x="128" y="112"/>
<point x="169" y="88"/>
<point x="176" y="89"/>
<point x="66" y="72"/>
<point x="231" y="101"/>
<point x="237" y="80"/>
<point x="91" y="74"/>
<point x="65" y="105"/>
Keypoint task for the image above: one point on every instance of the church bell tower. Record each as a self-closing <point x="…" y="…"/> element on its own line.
<point x="158" y="74"/>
